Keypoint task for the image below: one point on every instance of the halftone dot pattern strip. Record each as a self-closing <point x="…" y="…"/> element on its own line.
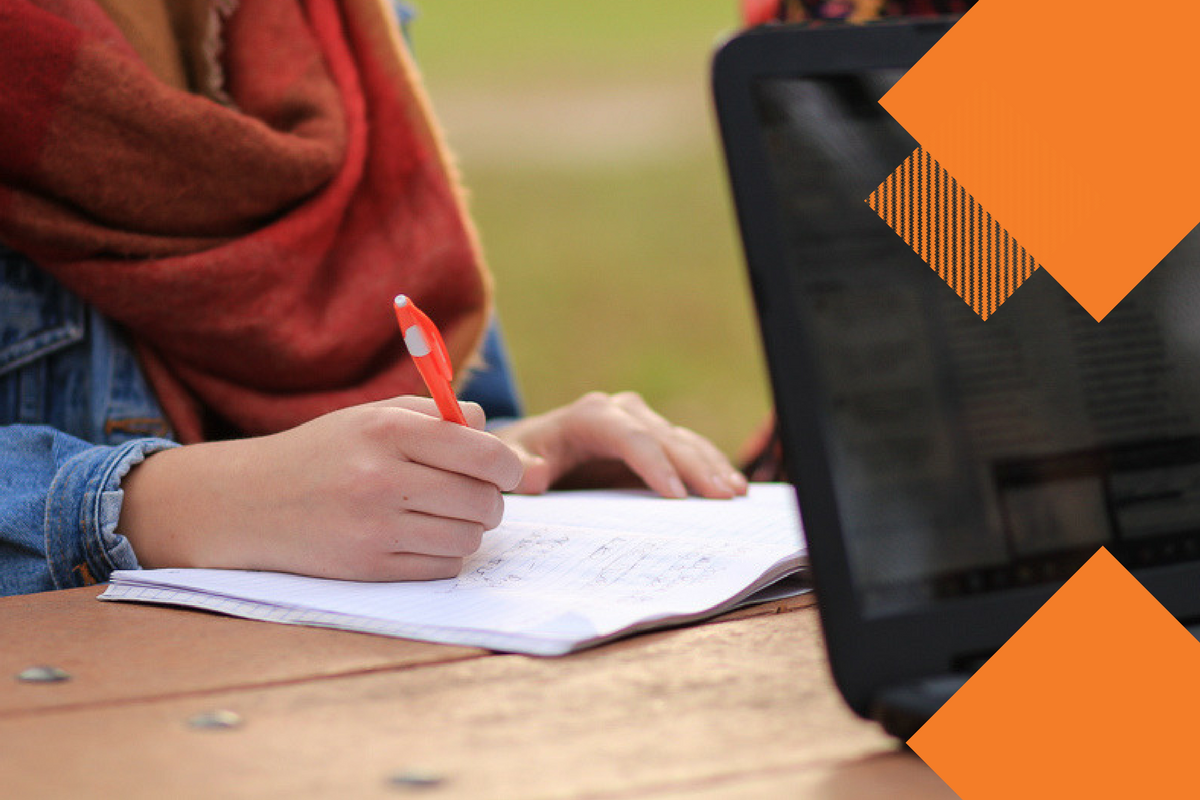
<point x="952" y="233"/>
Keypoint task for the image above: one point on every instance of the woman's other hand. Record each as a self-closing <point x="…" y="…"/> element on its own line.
<point x="606" y="440"/>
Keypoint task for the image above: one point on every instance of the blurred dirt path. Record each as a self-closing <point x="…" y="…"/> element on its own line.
<point x="576" y="125"/>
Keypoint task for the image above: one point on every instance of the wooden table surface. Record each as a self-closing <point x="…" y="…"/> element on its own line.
<point x="742" y="706"/>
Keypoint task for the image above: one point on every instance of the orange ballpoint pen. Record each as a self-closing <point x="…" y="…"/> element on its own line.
<point x="428" y="352"/>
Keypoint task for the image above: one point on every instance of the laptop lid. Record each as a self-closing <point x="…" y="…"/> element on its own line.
<point x="951" y="473"/>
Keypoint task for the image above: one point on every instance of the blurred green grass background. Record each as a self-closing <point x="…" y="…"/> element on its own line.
<point x="585" y="136"/>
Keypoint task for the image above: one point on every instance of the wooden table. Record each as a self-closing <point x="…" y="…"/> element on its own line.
<point x="740" y="707"/>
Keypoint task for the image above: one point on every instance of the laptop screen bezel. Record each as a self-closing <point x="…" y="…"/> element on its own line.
<point x="867" y="653"/>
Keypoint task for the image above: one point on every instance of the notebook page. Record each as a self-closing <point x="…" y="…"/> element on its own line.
<point x="543" y="574"/>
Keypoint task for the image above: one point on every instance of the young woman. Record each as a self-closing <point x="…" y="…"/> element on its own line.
<point x="206" y="208"/>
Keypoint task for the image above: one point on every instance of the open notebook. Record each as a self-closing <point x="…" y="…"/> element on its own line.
<point x="564" y="571"/>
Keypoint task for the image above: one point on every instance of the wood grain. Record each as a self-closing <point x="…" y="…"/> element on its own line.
<point x="739" y="707"/>
<point x="717" y="710"/>
<point x="125" y="651"/>
<point x="122" y="651"/>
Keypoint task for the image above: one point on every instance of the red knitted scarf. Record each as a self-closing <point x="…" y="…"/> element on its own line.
<point x="252" y="249"/>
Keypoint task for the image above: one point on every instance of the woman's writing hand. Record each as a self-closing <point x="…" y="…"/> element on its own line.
<point x="604" y="440"/>
<point x="383" y="491"/>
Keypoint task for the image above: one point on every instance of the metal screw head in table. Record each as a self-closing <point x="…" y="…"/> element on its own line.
<point x="412" y="779"/>
<point x="220" y="719"/>
<point x="43" y="673"/>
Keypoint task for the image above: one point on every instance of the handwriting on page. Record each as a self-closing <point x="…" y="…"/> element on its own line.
<point x="591" y="564"/>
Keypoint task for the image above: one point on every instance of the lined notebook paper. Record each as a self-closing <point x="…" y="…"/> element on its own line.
<point x="565" y="570"/>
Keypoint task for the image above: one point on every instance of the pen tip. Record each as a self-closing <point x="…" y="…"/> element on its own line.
<point x="401" y="300"/>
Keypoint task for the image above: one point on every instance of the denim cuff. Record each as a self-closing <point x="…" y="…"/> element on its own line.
<point x="82" y="509"/>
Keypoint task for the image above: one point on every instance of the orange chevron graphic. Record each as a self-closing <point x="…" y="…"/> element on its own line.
<point x="963" y="244"/>
<point x="1074" y="123"/>
<point x="1095" y="696"/>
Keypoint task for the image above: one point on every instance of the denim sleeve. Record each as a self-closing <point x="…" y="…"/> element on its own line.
<point x="60" y="498"/>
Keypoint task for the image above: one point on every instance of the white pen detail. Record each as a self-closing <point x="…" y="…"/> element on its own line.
<point x="414" y="340"/>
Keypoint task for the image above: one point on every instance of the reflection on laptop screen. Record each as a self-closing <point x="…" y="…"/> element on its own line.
<point x="971" y="456"/>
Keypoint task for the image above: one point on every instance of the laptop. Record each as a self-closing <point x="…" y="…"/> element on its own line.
<point x="951" y="473"/>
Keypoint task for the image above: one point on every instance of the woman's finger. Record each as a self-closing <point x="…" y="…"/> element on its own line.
<point x="446" y="495"/>
<point x="703" y="467"/>
<point x="640" y="445"/>
<point x="424" y="534"/>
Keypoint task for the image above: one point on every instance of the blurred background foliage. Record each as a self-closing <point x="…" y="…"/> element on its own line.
<point x="585" y="136"/>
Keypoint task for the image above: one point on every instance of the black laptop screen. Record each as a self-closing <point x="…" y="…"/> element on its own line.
<point x="970" y="456"/>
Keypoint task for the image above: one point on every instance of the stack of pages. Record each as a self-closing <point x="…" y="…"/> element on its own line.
<point x="565" y="570"/>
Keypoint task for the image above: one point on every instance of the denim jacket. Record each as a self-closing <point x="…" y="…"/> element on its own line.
<point x="76" y="414"/>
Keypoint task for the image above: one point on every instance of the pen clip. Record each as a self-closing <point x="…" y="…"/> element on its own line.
<point x="437" y="347"/>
